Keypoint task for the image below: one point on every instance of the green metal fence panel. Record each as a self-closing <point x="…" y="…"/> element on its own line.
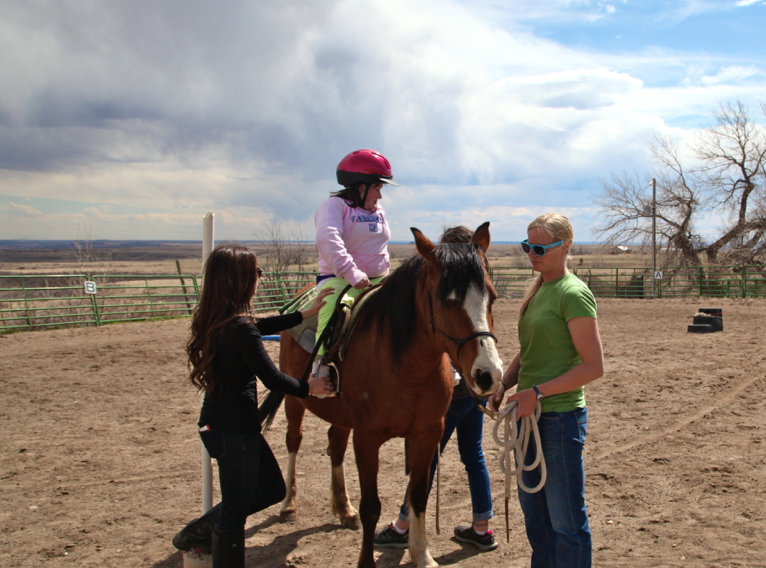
<point x="43" y="301"/>
<point x="275" y="289"/>
<point x="130" y="297"/>
<point x="29" y="301"/>
<point x="511" y="281"/>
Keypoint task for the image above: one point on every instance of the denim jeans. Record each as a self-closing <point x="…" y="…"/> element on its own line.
<point x="463" y="416"/>
<point x="555" y="517"/>
<point x="250" y="479"/>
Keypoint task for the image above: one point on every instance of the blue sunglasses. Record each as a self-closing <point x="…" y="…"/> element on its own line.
<point x="539" y="250"/>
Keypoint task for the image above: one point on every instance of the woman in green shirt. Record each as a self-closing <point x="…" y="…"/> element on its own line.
<point x="560" y="353"/>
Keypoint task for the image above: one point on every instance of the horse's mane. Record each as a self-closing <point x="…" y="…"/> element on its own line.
<point x="394" y="302"/>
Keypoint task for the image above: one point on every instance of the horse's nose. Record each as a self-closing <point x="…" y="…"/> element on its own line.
<point x="483" y="378"/>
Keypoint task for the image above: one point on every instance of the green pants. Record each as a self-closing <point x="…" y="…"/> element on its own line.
<point x="330" y="301"/>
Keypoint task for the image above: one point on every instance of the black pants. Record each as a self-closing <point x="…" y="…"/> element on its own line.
<point x="250" y="478"/>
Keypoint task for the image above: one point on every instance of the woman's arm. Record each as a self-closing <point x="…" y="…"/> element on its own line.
<point x="587" y="342"/>
<point x="249" y="344"/>
<point x="274" y="324"/>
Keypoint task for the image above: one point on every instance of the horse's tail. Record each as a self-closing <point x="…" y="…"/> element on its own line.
<point x="268" y="409"/>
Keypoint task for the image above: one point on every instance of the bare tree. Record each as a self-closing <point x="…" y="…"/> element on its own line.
<point x="728" y="175"/>
<point x="626" y="203"/>
<point x="86" y="255"/>
<point x="733" y="155"/>
<point x="286" y="248"/>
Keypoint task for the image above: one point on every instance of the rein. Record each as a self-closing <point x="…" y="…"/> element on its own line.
<point x="459" y="342"/>
<point x="516" y="440"/>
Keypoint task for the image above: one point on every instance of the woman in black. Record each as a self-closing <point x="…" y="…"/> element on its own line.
<point x="226" y="354"/>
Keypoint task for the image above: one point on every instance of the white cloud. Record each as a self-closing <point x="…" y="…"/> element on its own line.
<point x="733" y="74"/>
<point x="20" y="210"/>
<point x="246" y="107"/>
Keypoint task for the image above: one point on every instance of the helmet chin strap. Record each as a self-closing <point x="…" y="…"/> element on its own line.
<point x="364" y="197"/>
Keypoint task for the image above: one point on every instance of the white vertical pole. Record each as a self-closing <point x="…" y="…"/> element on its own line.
<point x="654" y="236"/>
<point x="208" y="238"/>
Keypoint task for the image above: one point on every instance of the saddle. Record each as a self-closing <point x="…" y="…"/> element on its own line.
<point x="336" y="333"/>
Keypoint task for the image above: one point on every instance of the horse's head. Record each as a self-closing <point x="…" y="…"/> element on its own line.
<point x="460" y="296"/>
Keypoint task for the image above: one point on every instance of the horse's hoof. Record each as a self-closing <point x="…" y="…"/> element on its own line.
<point x="288" y="516"/>
<point x="352" y="523"/>
<point x="427" y="563"/>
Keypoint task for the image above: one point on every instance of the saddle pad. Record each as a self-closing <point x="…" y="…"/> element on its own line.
<point x="305" y="333"/>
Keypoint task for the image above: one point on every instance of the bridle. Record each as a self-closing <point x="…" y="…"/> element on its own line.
<point x="459" y="342"/>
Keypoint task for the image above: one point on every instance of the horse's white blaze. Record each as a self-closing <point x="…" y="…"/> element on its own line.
<point x="487" y="358"/>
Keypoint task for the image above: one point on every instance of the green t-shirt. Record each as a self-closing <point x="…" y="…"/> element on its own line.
<point x="547" y="349"/>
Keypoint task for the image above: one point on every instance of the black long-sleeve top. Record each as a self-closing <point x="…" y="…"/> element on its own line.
<point x="241" y="357"/>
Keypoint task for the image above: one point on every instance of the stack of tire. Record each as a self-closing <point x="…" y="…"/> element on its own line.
<point x="707" y="320"/>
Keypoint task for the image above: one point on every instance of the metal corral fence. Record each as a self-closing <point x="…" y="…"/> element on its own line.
<point x="40" y="301"/>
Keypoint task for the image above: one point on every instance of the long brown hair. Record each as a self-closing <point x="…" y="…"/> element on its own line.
<point x="229" y="282"/>
<point x="556" y="226"/>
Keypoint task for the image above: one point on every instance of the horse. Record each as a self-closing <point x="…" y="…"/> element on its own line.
<point x="433" y="312"/>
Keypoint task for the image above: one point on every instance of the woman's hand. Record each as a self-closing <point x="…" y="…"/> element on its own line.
<point x="493" y="402"/>
<point x="362" y="284"/>
<point x="318" y="302"/>
<point x="319" y="385"/>
<point x="527" y="401"/>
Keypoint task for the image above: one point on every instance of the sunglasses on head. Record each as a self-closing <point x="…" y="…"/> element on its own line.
<point x="539" y="250"/>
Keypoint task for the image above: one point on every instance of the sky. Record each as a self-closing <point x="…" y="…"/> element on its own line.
<point x="132" y="119"/>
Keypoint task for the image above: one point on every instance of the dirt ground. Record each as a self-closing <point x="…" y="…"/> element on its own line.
<point x="100" y="459"/>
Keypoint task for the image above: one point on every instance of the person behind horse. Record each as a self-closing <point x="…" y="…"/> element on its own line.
<point x="560" y="352"/>
<point x="352" y="234"/>
<point x="226" y="354"/>
<point x="463" y="416"/>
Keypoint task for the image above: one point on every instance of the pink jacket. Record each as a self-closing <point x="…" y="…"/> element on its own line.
<point x="351" y="241"/>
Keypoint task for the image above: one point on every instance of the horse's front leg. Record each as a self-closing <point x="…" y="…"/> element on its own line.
<point x="341" y="506"/>
<point x="295" y="412"/>
<point x="420" y="453"/>
<point x="366" y="448"/>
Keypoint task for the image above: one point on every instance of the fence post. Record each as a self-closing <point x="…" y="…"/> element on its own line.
<point x="702" y="281"/>
<point x="616" y="282"/>
<point x="148" y="298"/>
<point x="26" y="305"/>
<point x="657" y="287"/>
<point x="183" y="287"/>
<point x="281" y="288"/>
<point x="96" y="315"/>
<point x="744" y="281"/>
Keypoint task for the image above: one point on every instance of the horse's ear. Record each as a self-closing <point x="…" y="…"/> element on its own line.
<point x="422" y="243"/>
<point x="481" y="236"/>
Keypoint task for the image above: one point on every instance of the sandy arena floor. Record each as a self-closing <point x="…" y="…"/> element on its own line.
<point x="100" y="461"/>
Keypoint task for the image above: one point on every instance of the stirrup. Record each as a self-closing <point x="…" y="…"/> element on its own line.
<point x="329" y="370"/>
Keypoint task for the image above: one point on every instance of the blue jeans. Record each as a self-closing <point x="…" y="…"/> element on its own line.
<point x="555" y="517"/>
<point x="250" y="479"/>
<point x="463" y="416"/>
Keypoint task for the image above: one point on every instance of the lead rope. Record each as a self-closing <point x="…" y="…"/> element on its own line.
<point x="438" y="470"/>
<point x="516" y="440"/>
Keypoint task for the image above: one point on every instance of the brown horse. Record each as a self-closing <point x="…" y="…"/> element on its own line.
<point x="397" y="379"/>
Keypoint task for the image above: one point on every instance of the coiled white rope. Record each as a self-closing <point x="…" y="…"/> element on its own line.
<point x="514" y="444"/>
<point x="516" y="441"/>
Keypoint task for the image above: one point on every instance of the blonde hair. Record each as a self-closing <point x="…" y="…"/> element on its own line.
<point x="556" y="226"/>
